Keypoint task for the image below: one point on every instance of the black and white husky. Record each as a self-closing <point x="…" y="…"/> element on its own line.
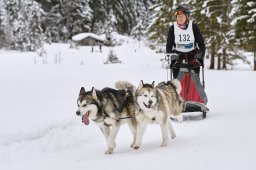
<point x="109" y="109"/>
<point x="155" y="105"/>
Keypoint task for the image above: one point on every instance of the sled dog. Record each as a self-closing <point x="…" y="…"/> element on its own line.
<point x="109" y="109"/>
<point x="155" y="105"/>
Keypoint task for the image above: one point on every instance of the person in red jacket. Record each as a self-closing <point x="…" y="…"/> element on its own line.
<point x="185" y="39"/>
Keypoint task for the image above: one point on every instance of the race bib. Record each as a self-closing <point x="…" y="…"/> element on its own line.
<point x="184" y="39"/>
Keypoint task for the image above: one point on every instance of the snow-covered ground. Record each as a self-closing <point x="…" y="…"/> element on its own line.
<point x="40" y="130"/>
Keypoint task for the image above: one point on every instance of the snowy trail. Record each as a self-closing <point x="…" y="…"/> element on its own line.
<point x="39" y="128"/>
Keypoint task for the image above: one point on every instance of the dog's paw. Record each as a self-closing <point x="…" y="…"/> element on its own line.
<point x="135" y="147"/>
<point x="173" y="136"/>
<point x="108" y="152"/>
<point x="132" y="145"/>
<point x="164" y="144"/>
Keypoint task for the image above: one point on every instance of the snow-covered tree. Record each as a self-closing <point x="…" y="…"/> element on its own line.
<point x="161" y="20"/>
<point x="76" y="16"/>
<point x="198" y="15"/>
<point x="98" y="15"/>
<point x="245" y="23"/>
<point x="22" y="24"/>
<point x="226" y="40"/>
<point x="210" y="9"/>
<point x="64" y="18"/>
<point x="220" y="35"/>
<point x="138" y="30"/>
<point x="2" y="35"/>
<point x="52" y="23"/>
<point x="33" y="15"/>
<point x="214" y="20"/>
<point x="123" y="16"/>
<point x="14" y="24"/>
<point x="143" y="18"/>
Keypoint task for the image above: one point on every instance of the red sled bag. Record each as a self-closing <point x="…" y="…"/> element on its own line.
<point x="192" y="89"/>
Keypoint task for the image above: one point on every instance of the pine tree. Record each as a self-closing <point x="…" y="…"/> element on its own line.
<point x="161" y="21"/>
<point x="98" y="15"/>
<point x="220" y="10"/>
<point x="64" y="18"/>
<point x="198" y="15"/>
<point x="246" y="26"/>
<point x="143" y="17"/>
<point x="22" y="25"/>
<point x="125" y="15"/>
<point x="75" y="16"/>
<point x="227" y="49"/>
<point x="15" y="27"/>
<point x="215" y="22"/>
<point x="52" y="23"/>
<point x="33" y="14"/>
<point x="2" y="35"/>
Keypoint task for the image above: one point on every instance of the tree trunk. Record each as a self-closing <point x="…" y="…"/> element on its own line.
<point x="254" y="57"/>
<point x="212" y="56"/>
<point x="224" y="66"/>
<point x="219" y="61"/>
<point x="254" y="61"/>
<point x="19" y="3"/>
<point x="218" y="55"/>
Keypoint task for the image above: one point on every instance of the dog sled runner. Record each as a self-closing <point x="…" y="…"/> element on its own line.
<point x="192" y="93"/>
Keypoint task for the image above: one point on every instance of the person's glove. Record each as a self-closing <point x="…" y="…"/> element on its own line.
<point x="201" y="61"/>
<point x="199" y="55"/>
<point x="173" y="63"/>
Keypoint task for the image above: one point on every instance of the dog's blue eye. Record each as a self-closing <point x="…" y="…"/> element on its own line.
<point x="84" y="105"/>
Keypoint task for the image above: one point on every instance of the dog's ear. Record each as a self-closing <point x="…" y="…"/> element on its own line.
<point x="94" y="94"/>
<point x="153" y="84"/>
<point x="141" y="84"/>
<point x="82" y="91"/>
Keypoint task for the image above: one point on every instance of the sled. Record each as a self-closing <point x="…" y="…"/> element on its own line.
<point x="192" y="93"/>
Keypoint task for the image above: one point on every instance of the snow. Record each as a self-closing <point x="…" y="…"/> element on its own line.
<point x="40" y="130"/>
<point x="81" y="36"/>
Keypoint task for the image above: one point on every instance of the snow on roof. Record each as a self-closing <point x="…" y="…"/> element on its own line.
<point x="116" y="37"/>
<point x="81" y="36"/>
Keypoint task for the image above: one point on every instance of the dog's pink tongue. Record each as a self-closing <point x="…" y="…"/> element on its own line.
<point x="86" y="120"/>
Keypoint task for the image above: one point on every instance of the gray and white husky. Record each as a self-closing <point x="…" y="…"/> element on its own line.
<point x="155" y="105"/>
<point x="109" y="109"/>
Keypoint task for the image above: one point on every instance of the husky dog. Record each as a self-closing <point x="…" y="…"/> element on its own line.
<point x="109" y="109"/>
<point x="155" y="105"/>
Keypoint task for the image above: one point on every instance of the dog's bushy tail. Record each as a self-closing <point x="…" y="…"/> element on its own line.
<point x="125" y="85"/>
<point x="177" y="85"/>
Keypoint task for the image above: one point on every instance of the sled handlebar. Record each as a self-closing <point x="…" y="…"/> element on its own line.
<point x="180" y="65"/>
<point x="171" y="56"/>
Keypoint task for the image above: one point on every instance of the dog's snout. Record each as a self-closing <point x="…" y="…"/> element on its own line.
<point x="78" y="113"/>
<point x="150" y="102"/>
